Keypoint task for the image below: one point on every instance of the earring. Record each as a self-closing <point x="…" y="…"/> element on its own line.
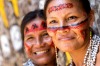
<point x="90" y="34"/>
<point x="56" y="55"/>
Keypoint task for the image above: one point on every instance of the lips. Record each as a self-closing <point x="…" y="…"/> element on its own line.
<point x="41" y="52"/>
<point x="65" y="37"/>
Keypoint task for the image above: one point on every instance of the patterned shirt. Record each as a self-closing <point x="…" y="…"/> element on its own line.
<point x="28" y="63"/>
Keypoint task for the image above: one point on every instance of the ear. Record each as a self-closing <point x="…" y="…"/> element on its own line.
<point x="91" y="18"/>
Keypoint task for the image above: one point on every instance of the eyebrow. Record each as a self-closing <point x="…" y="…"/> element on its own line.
<point x="27" y="36"/>
<point x="45" y="31"/>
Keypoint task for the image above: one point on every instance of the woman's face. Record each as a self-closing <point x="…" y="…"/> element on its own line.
<point x="38" y="44"/>
<point x="68" y="24"/>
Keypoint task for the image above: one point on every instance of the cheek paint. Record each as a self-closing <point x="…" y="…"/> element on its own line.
<point x="27" y="47"/>
<point x="60" y="7"/>
<point x="52" y="29"/>
<point x="35" y="27"/>
<point x="79" y="25"/>
<point x="82" y="26"/>
<point x="83" y="33"/>
<point x="52" y="44"/>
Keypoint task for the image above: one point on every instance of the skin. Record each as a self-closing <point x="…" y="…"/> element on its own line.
<point x="38" y="44"/>
<point x="73" y="39"/>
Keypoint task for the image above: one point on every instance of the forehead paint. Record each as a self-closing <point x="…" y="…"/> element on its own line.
<point x="71" y="26"/>
<point x="35" y="27"/>
<point x="43" y="24"/>
<point x="59" y="7"/>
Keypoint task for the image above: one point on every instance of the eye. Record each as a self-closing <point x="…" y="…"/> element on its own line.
<point x="30" y="38"/>
<point x="53" y="22"/>
<point x="45" y="34"/>
<point x="72" y="18"/>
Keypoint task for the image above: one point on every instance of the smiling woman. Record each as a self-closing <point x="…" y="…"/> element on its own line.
<point x="37" y="43"/>
<point x="69" y="24"/>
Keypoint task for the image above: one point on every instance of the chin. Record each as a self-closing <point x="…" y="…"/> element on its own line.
<point x="44" y="62"/>
<point x="65" y="47"/>
<point x="41" y="61"/>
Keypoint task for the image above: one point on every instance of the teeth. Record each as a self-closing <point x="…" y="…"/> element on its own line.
<point x="41" y="52"/>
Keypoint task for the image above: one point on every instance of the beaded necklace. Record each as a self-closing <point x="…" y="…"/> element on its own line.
<point x="90" y="56"/>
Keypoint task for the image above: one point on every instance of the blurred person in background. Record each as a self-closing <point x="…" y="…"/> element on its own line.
<point x="38" y="44"/>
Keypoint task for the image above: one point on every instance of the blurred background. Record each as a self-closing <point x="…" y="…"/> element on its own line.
<point x="11" y="15"/>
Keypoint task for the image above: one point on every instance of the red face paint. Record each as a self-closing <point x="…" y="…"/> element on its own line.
<point x="78" y="25"/>
<point x="28" y="47"/>
<point x="43" y="24"/>
<point x="83" y="32"/>
<point x="71" y="26"/>
<point x="36" y="27"/>
<point x="60" y="7"/>
<point x="52" y="44"/>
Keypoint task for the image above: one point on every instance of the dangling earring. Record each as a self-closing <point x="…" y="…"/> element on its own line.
<point x="90" y="34"/>
<point x="56" y="55"/>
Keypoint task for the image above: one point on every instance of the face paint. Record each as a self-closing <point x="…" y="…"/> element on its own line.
<point x="52" y="44"/>
<point x="53" y="29"/>
<point x="83" y="32"/>
<point x="78" y="25"/>
<point x="44" y="25"/>
<point x="70" y="26"/>
<point x="60" y="7"/>
<point x="35" y="27"/>
<point x="28" y="47"/>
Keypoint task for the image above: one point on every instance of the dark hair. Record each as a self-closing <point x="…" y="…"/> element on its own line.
<point x="85" y="4"/>
<point x="29" y="17"/>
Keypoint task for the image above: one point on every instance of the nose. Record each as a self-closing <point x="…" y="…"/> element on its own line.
<point x="38" y="43"/>
<point x="62" y="23"/>
<point x="63" y="27"/>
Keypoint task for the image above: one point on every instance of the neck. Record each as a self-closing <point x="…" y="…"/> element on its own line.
<point x="78" y="55"/>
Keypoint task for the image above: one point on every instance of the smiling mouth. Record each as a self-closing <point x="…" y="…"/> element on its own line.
<point x="66" y="38"/>
<point x="41" y="52"/>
